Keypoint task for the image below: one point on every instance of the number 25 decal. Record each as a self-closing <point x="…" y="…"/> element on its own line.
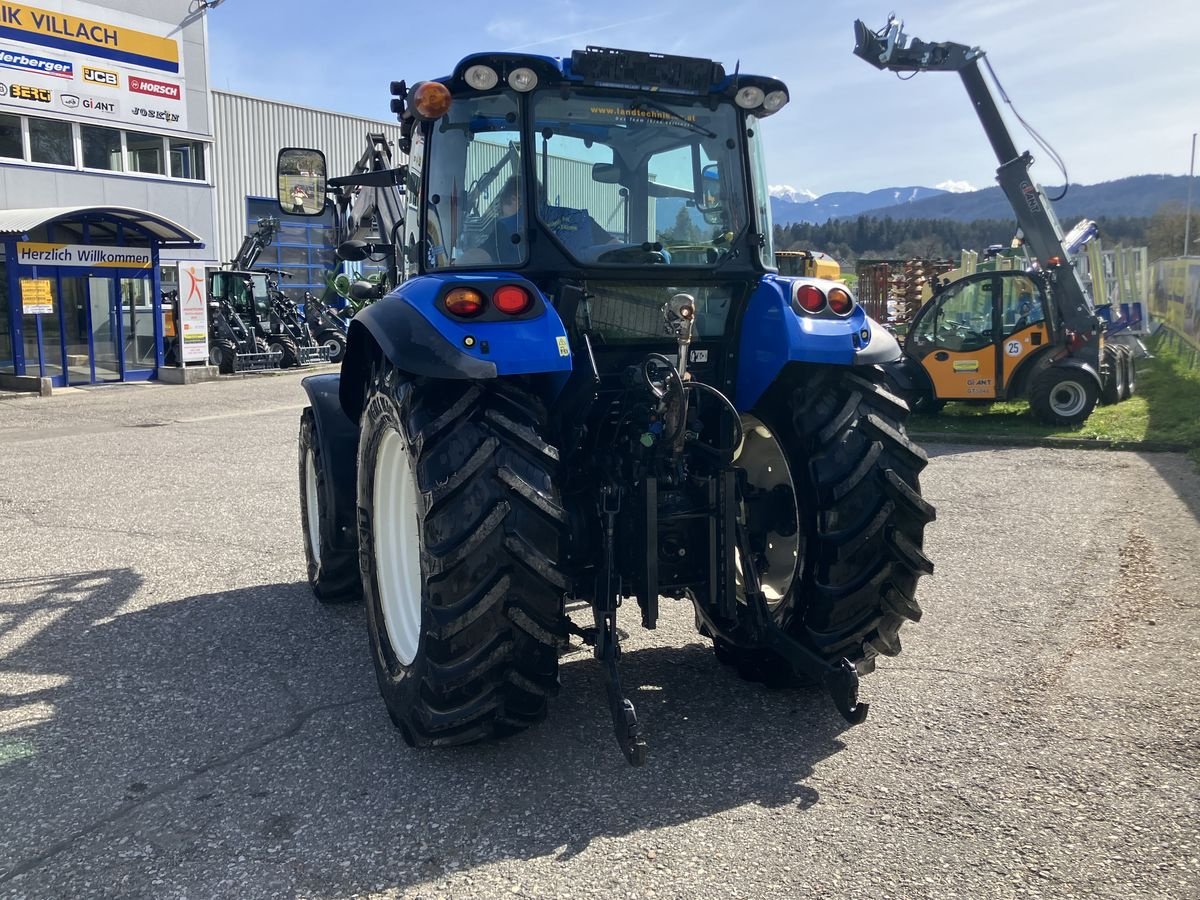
<point x="1013" y="348"/>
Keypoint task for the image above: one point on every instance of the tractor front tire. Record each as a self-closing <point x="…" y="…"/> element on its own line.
<point x="861" y="518"/>
<point x="285" y="344"/>
<point x="1063" y="396"/>
<point x="222" y="353"/>
<point x="460" y="523"/>
<point x="332" y="567"/>
<point x="335" y="341"/>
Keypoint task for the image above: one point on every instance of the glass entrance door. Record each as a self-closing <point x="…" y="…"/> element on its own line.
<point x="106" y="326"/>
<point x="91" y="329"/>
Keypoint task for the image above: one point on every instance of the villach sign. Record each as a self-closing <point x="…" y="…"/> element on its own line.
<point x="91" y="63"/>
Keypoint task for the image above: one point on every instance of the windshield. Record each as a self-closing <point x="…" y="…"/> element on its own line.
<point x="638" y="180"/>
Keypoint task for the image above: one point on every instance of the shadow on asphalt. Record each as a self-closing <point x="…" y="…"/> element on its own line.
<point x="242" y="733"/>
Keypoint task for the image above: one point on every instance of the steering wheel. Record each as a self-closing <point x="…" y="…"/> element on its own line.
<point x="633" y="253"/>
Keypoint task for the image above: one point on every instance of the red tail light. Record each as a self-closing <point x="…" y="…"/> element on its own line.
<point x="840" y="301"/>
<point x="1075" y="341"/>
<point x="512" y="300"/>
<point x="811" y="299"/>
<point x="465" y="302"/>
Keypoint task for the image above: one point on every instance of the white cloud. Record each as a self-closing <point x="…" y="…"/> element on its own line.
<point x="956" y="187"/>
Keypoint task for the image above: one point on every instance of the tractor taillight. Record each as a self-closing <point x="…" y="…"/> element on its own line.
<point x="465" y="302"/>
<point x="1076" y="341"/>
<point x="810" y="298"/>
<point x="841" y="302"/>
<point x="512" y="300"/>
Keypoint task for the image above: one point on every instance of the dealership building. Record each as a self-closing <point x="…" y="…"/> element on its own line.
<point x="123" y="175"/>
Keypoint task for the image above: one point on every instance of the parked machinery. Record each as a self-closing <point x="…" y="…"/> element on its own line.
<point x="327" y="325"/>
<point x="558" y="402"/>
<point x="289" y="329"/>
<point x="1002" y="334"/>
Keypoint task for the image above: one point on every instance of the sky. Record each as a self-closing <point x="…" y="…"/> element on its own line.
<point x="1112" y="85"/>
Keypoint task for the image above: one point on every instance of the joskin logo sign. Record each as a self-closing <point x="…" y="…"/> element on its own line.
<point x="92" y="63"/>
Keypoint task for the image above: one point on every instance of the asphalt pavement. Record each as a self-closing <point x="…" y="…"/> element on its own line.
<point x="179" y="718"/>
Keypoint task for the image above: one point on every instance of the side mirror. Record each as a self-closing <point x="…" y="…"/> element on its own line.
<point x="353" y="251"/>
<point x="708" y="197"/>
<point x="300" y="174"/>
<point x="363" y="291"/>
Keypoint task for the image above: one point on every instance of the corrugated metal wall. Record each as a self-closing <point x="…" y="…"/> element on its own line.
<point x="249" y="134"/>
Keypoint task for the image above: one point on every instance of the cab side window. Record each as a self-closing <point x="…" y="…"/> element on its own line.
<point x="962" y="320"/>
<point x="1021" y="304"/>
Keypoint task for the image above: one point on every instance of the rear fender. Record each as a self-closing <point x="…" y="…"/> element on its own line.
<point x="1073" y="362"/>
<point x="337" y="438"/>
<point x="908" y="375"/>
<point x="410" y="329"/>
<point x="775" y="333"/>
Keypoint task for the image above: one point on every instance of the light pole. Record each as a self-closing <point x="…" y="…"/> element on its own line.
<point x="1187" y="217"/>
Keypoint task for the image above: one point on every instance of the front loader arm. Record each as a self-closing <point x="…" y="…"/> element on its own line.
<point x="890" y="49"/>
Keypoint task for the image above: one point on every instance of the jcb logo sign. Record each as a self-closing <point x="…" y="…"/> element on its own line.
<point x="101" y="76"/>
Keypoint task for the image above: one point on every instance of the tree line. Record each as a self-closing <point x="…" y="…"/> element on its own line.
<point x="847" y="240"/>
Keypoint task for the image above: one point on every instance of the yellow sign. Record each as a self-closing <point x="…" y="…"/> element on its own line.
<point x="564" y="349"/>
<point x="37" y="296"/>
<point x="60" y="31"/>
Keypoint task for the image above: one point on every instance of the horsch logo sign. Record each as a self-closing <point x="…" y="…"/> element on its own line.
<point x="154" y="88"/>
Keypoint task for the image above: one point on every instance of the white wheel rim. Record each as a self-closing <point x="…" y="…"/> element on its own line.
<point x="333" y="346"/>
<point x="397" y="555"/>
<point x="766" y="466"/>
<point x="312" y="505"/>
<point x="1068" y="398"/>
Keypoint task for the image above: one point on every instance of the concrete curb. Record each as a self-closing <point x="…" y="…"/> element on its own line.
<point x="997" y="440"/>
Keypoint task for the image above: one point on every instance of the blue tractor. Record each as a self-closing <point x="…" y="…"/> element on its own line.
<point x="586" y="386"/>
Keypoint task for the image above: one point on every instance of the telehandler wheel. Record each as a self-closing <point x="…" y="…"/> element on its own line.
<point x="1062" y="396"/>
<point x="335" y="341"/>
<point x="222" y="353"/>
<point x="1129" y="382"/>
<point x="285" y="344"/>
<point x="1111" y="376"/>
<point x="332" y="571"/>
<point x="861" y="521"/>
<point x="460" y="524"/>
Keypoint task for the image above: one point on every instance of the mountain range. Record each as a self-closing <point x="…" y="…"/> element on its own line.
<point x="1138" y="195"/>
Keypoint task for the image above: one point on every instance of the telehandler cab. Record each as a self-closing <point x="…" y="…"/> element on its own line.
<point x="589" y="385"/>
<point x="1000" y="335"/>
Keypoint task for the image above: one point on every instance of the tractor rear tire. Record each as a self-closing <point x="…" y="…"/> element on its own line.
<point x="1111" y="376"/>
<point x="861" y="517"/>
<point x="336" y="342"/>
<point x="460" y="524"/>
<point x="1062" y="396"/>
<point x="222" y="353"/>
<point x="285" y="344"/>
<point x="332" y="570"/>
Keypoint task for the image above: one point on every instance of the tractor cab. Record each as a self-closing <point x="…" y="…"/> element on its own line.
<point x="247" y="293"/>
<point x="636" y="174"/>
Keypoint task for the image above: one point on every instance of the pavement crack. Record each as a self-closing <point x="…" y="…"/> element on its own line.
<point x="131" y="806"/>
